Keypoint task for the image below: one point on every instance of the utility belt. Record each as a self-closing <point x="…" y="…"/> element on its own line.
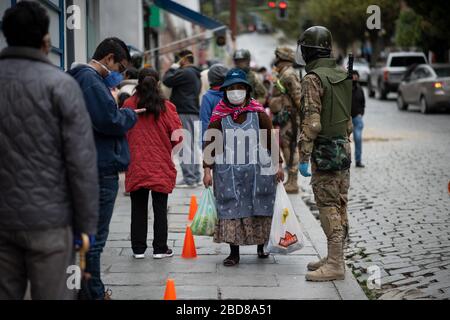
<point x="332" y="154"/>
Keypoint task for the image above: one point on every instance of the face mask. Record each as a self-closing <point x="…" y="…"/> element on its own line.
<point x="113" y="79"/>
<point x="236" y="97"/>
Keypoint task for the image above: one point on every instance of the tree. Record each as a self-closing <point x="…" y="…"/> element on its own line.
<point x="435" y="27"/>
<point x="347" y="18"/>
<point x="347" y="21"/>
<point x="408" y="32"/>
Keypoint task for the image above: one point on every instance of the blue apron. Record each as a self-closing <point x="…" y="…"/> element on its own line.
<point x="242" y="190"/>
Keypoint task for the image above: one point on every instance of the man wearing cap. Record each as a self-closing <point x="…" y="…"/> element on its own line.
<point x="326" y="100"/>
<point x="285" y="106"/>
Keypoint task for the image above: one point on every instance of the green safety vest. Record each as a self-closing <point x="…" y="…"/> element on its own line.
<point x="337" y="97"/>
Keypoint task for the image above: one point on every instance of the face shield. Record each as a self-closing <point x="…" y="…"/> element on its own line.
<point x="299" y="56"/>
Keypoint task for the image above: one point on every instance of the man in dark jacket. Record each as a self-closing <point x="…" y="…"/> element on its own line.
<point x="184" y="79"/>
<point x="358" y="107"/>
<point x="110" y="125"/>
<point x="48" y="173"/>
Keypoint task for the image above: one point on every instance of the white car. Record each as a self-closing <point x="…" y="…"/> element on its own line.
<point x="387" y="74"/>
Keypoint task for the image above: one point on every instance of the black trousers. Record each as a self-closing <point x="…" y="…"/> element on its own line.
<point x="139" y="221"/>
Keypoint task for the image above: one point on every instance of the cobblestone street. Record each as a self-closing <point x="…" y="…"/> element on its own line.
<point x="399" y="204"/>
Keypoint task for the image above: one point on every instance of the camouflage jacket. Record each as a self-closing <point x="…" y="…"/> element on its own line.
<point x="259" y="91"/>
<point x="310" y="111"/>
<point x="288" y="85"/>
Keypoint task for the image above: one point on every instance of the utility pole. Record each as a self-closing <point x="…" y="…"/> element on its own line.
<point x="233" y="21"/>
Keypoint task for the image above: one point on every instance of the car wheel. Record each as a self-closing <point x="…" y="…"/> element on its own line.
<point x="424" y="105"/>
<point x="401" y="103"/>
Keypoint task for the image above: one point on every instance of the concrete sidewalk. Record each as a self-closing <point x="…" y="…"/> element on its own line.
<point x="279" y="277"/>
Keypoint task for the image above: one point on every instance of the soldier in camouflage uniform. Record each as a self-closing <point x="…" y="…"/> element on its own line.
<point x="285" y="106"/>
<point x="242" y="60"/>
<point x="324" y="139"/>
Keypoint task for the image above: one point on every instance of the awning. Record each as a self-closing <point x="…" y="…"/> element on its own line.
<point x="191" y="15"/>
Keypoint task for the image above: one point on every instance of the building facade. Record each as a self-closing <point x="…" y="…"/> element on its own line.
<point x="78" y="26"/>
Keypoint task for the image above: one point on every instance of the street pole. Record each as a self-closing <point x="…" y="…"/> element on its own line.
<point x="233" y="21"/>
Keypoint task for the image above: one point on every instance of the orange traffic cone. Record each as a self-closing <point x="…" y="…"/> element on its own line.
<point x="170" y="293"/>
<point x="189" y="245"/>
<point x="193" y="208"/>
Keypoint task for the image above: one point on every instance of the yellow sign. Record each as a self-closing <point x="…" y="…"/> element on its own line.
<point x="285" y="215"/>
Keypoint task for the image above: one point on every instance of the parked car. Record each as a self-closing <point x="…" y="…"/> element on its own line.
<point x="386" y="76"/>
<point x="362" y="66"/>
<point x="427" y="86"/>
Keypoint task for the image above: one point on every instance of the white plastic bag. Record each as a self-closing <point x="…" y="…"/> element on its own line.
<point x="285" y="233"/>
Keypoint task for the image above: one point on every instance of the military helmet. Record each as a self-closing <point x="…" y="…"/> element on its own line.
<point x="285" y="54"/>
<point x="317" y="37"/>
<point x="242" y="54"/>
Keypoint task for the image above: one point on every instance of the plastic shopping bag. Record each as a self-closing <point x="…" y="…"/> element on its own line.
<point x="285" y="233"/>
<point x="206" y="217"/>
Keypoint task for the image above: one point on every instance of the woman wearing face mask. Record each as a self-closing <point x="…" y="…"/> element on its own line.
<point x="244" y="176"/>
<point x="151" y="167"/>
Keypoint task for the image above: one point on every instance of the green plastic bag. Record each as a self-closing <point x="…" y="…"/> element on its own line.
<point x="206" y="217"/>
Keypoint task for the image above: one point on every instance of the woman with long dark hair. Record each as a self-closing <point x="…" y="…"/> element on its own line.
<point x="151" y="167"/>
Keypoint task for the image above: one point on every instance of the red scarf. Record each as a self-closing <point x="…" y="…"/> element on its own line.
<point x="222" y="110"/>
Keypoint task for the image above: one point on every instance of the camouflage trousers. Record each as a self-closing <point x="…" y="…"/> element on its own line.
<point x="331" y="195"/>
<point x="287" y="136"/>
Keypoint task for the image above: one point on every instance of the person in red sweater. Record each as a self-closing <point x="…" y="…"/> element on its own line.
<point x="151" y="167"/>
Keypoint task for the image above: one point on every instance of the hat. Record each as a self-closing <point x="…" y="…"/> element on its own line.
<point x="285" y="54"/>
<point x="235" y="76"/>
<point x="217" y="74"/>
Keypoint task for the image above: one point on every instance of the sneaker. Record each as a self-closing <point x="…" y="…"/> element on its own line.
<point x="139" y="256"/>
<point x="167" y="254"/>
<point x="360" y="165"/>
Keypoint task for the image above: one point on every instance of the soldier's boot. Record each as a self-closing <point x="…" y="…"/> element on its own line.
<point x="312" y="266"/>
<point x="291" y="185"/>
<point x="333" y="267"/>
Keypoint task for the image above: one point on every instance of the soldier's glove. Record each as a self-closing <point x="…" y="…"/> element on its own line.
<point x="304" y="169"/>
